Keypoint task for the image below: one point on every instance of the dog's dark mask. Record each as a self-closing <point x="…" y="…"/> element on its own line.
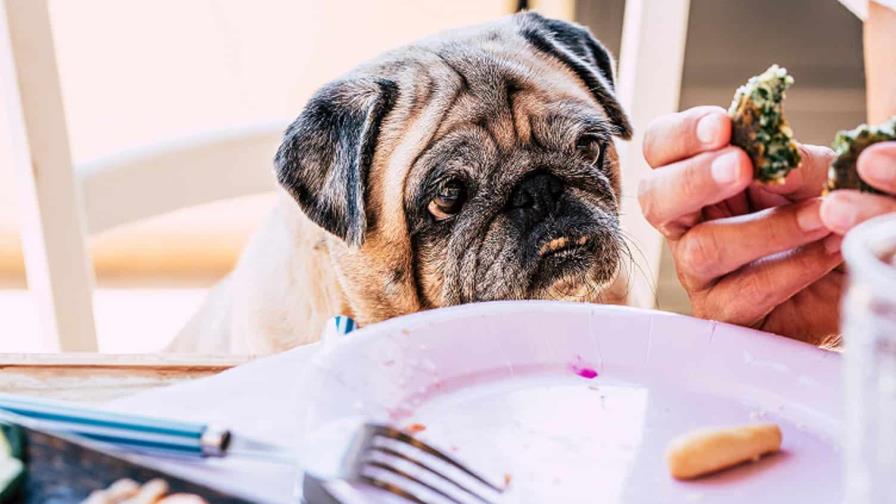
<point x="514" y="192"/>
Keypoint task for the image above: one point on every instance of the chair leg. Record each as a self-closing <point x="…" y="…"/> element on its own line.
<point x="58" y="266"/>
<point x="651" y="59"/>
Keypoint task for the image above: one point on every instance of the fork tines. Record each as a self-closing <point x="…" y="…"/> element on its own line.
<point x="403" y="465"/>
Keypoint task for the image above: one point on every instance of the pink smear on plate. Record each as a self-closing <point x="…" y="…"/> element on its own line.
<point x="585" y="371"/>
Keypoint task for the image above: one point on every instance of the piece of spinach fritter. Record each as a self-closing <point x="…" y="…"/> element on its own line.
<point x="759" y="127"/>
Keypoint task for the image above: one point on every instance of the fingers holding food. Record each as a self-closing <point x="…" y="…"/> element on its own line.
<point x="805" y="181"/>
<point x="849" y="146"/>
<point x="709" y="450"/>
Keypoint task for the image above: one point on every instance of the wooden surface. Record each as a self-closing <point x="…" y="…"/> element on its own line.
<point x="94" y="378"/>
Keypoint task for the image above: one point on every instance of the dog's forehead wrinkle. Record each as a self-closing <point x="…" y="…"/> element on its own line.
<point x="458" y="72"/>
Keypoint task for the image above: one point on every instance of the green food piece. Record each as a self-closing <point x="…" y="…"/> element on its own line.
<point x="848" y="145"/>
<point x="759" y="126"/>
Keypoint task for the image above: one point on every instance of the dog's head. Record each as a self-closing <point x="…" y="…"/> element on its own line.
<point x="475" y="165"/>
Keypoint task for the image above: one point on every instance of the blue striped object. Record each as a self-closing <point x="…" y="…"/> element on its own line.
<point x="185" y="438"/>
<point x="338" y="326"/>
<point x="344" y="325"/>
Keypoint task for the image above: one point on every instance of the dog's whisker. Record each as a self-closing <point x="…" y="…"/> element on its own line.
<point x="628" y="243"/>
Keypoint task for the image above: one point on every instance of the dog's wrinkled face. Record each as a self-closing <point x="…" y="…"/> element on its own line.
<point x="478" y="165"/>
<point x="515" y="203"/>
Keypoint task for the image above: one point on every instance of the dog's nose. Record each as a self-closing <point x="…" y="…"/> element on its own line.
<point x="536" y="196"/>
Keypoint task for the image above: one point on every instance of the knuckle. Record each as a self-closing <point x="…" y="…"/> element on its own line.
<point x="691" y="286"/>
<point x="690" y="183"/>
<point x="672" y="231"/>
<point x="757" y="290"/>
<point x="732" y="311"/>
<point x="707" y="305"/>
<point x="697" y="253"/>
<point x="700" y="310"/>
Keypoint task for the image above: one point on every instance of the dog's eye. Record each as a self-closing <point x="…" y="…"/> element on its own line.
<point x="591" y="147"/>
<point x="448" y="201"/>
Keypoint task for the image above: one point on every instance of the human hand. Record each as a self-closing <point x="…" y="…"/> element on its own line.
<point x="844" y="209"/>
<point x="747" y="253"/>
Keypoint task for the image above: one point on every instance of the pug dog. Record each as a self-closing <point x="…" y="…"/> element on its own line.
<point x="475" y="165"/>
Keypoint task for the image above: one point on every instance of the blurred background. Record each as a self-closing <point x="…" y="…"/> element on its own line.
<point x="134" y="73"/>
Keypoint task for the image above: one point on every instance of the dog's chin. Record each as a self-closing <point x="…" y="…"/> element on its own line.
<point x="579" y="271"/>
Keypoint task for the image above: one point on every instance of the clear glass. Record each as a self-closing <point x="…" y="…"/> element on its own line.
<point x="869" y="333"/>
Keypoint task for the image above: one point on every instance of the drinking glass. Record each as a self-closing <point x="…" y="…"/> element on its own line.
<point x="869" y="335"/>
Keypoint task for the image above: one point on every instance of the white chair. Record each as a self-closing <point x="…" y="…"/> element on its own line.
<point x="651" y="60"/>
<point x="62" y="203"/>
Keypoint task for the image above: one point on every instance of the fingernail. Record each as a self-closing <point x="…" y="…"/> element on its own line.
<point x="838" y="213"/>
<point x="879" y="165"/>
<point x="708" y="128"/>
<point x="832" y="243"/>
<point x="725" y="169"/>
<point x="808" y="217"/>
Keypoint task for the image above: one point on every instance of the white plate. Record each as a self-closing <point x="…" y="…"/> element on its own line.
<point x="508" y="388"/>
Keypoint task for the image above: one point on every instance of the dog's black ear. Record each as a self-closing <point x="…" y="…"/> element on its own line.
<point x="576" y="47"/>
<point x="327" y="151"/>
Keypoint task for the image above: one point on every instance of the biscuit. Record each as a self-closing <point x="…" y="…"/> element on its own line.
<point x="710" y="449"/>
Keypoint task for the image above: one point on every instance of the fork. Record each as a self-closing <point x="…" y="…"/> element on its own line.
<point x="398" y="463"/>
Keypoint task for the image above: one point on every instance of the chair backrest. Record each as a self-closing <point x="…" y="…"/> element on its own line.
<point x="651" y="59"/>
<point x="63" y="203"/>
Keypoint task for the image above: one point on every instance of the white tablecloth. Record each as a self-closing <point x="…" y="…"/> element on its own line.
<point x="260" y="399"/>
